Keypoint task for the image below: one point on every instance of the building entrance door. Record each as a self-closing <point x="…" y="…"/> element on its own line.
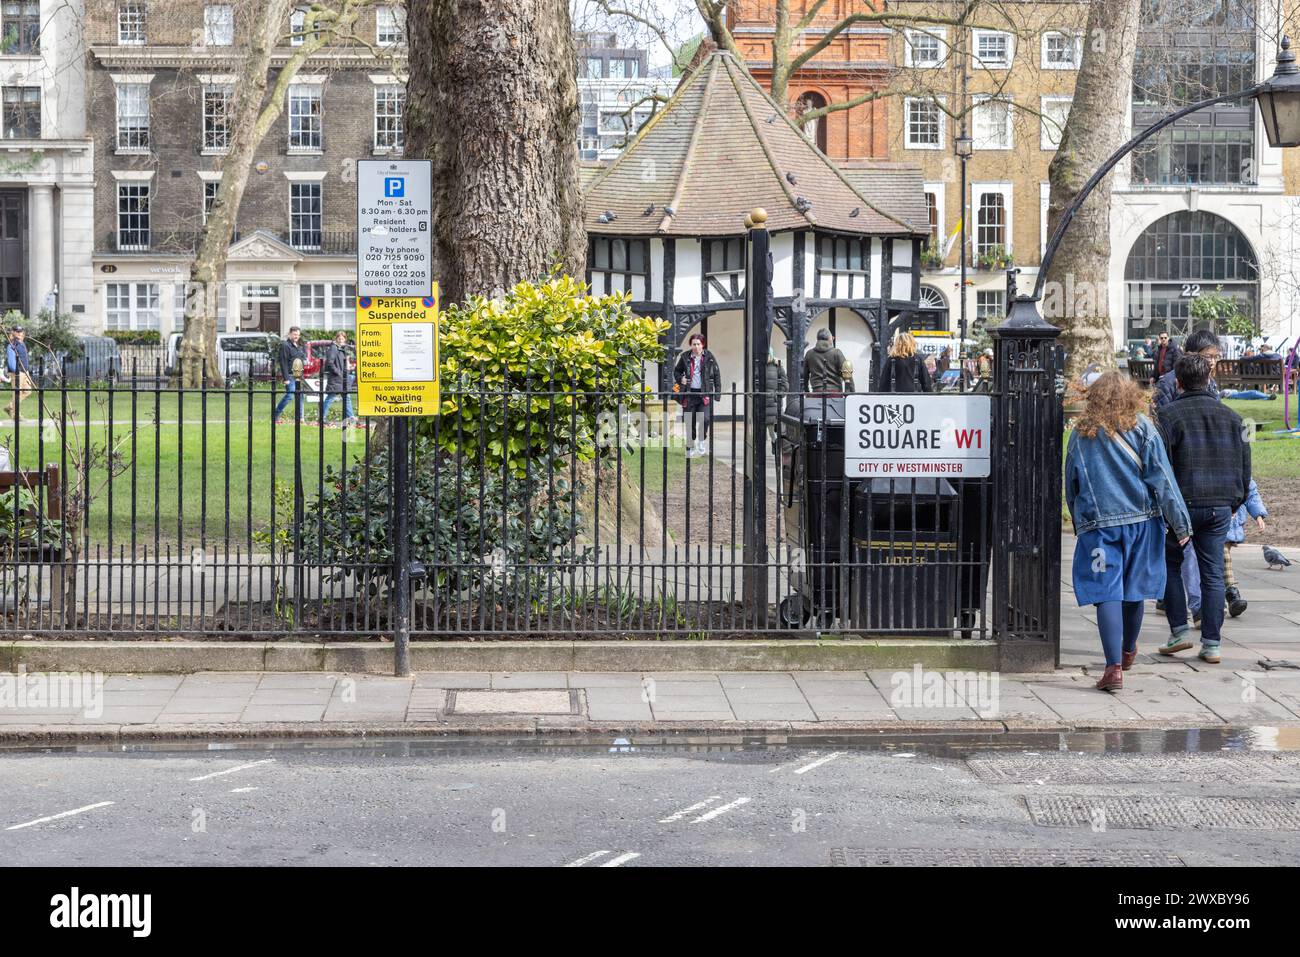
<point x="268" y="317"/>
<point x="13" y="248"/>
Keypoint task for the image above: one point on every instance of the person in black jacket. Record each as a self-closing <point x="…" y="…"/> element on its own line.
<point x="290" y="350"/>
<point x="697" y="378"/>
<point x="337" y="375"/>
<point x="1166" y="355"/>
<point x="1210" y="459"/>
<point x="904" y="370"/>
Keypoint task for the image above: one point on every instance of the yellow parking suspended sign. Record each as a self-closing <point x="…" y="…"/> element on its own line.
<point x="397" y="355"/>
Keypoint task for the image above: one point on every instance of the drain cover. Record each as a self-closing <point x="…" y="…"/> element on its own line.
<point x="531" y="701"/>
<point x="1001" y="857"/>
<point x="1134" y="768"/>
<point x="1123" y="813"/>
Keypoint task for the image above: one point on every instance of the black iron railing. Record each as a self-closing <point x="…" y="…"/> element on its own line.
<point x="556" y="512"/>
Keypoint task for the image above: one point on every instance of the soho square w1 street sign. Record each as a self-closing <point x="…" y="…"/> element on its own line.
<point x="394" y="228"/>
<point x="914" y="435"/>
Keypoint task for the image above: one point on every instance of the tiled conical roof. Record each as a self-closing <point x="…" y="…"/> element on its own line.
<point x="720" y="147"/>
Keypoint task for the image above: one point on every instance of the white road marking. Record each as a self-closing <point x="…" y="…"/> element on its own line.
<point x="55" y="817"/>
<point x="782" y="767"/>
<point x="710" y="815"/>
<point x="678" y="815"/>
<point x="819" y="762"/>
<point x="241" y="790"/>
<point x="586" y="859"/>
<point x="238" y="767"/>
<point x="621" y="859"/>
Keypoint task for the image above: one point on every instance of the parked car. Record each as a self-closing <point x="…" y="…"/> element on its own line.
<point x="240" y="355"/>
<point x="100" y="361"/>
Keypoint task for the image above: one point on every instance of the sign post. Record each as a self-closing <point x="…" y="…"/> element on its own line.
<point x="397" y="337"/>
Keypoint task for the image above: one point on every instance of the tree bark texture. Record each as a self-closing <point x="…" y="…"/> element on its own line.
<point x="492" y="100"/>
<point x="1076" y="294"/>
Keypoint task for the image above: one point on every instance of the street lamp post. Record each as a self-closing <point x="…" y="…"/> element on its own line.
<point x="1278" y="98"/>
<point x="963" y="145"/>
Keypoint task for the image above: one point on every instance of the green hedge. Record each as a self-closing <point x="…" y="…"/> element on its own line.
<point x="135" y="337"/>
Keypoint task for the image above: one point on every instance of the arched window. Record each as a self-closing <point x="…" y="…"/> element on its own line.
<point x="814" y="129"/>
<point x="1180" y="257"/>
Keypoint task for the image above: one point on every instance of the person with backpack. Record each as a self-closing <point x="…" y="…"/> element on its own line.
<point x="904" y="371"/>
<point x="1121" y="494"/>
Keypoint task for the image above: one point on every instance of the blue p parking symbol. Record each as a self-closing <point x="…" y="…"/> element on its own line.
<point x="394" y="186"/>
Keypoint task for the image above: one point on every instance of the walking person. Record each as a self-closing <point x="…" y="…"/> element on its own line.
<point x="1121" y="494"/>
<point x="1202" y="342"/>
<point x="904" y="371"/>
<point x="1166" y="355"/>
<point x="699" y="380"/>
<point x="334" y="368"/>
<point x="825" y="368"/>
<point x="1254" y="508"/>
<point x="18" y="363"/>
<point x="1211" y="463"/>
<point x="291" y="350"/>
<point x="777" y="384"/>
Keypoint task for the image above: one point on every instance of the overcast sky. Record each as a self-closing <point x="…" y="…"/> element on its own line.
<point x="678" y="19"/>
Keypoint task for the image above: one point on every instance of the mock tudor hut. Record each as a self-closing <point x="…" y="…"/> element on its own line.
<point x="665" y="221"/>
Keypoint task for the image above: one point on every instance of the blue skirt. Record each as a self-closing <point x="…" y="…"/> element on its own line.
<point x="1120" y="563"/>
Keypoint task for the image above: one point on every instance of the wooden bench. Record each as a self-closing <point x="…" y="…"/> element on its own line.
<point x="49" y="492"/>
<point x="1251" y="373"/>
<point x="1141" y="369"/>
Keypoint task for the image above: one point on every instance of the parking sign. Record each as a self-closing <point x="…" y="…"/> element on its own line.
<point x="394" y="212"/>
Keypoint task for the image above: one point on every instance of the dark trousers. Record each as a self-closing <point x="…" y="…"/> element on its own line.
<point x="701" y="414"/>
<point x="1209" y="532"/>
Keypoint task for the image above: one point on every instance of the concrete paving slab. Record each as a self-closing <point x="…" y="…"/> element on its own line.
<point x="667" y="715"/>
<point x="283" y="712"/>
<point x="123" y="715"/>
<point x="264" y="696"/>
<point x="143" y="682"/>
<point x="297" y="681"/>
<point x="512" y="702"/>
<point x="615" y="679"/>
<point x="205" y="705"/>
<point x="772" y="711"/>
<point x="617" y="704"/>
<point x="452" y="679"/>
<point x="533" y="679"/>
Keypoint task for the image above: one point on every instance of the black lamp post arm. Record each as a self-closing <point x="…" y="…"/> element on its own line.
<point x="1050" y="252"/>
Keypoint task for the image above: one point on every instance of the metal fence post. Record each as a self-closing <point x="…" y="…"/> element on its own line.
<point x="1027" y="424"/>
<point x="759" y="316"/>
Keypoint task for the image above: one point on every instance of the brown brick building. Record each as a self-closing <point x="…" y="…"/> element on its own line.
<point x="160" y="75"/>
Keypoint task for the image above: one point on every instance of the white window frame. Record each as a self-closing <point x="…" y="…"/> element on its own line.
<point x="297" y="25"/>
<point x="977" y="191"/>
<point x="987" y="102"/>
<point x="133" y="84"/>
<point x="218" y="25"/>
<point x="977" y="35"/>
<point x="937" y="187"/>
<point x="298" y="93"/>
<point x="132" y="38"/>
<point x="138" y="314"/>
<point x="207" y="148"/>
<point x="313" y="301"/>
<point x="340" y="315"/>
<point x="908" y="143"/>
<point x="319" y="214"/>
<point x="990" y="292"/>
<point x="136" y="179"/>
<point x="940" y="35"/>
<point x="1045" y="124"/>
<point x="390" y="25"/>
<point x="1077" y="39"/>
<point x="210" y="184"/>
<point x="1044" y="200"/>
<point x="383" y="91"/>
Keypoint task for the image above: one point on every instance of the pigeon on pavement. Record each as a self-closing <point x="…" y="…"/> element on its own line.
<point x="1275" y="558"/>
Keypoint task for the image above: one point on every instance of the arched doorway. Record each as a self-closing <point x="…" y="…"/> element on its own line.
<point x="853" y="337"/>
<point x="815" y="129"/>
<point x="1178" y="258"/>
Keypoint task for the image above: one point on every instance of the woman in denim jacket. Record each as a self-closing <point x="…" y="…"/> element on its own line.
<point x="1120" y="492"/>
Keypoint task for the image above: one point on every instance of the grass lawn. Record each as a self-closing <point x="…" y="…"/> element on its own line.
<point x="1273" y="456"/>
<point x="189" y="467"/>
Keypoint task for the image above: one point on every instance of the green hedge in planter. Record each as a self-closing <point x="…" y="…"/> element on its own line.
<point x="135" y="337"/>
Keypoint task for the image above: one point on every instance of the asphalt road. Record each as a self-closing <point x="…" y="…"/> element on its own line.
<point x="406" y="803"/>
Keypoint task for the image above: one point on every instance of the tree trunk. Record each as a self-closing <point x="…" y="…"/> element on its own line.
<point x="1076" y="294"/>
<point x="492" y="100"/>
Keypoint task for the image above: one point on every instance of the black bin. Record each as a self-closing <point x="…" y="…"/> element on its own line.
<point x="905" y="555"/>
<point x="812" y="473"/>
